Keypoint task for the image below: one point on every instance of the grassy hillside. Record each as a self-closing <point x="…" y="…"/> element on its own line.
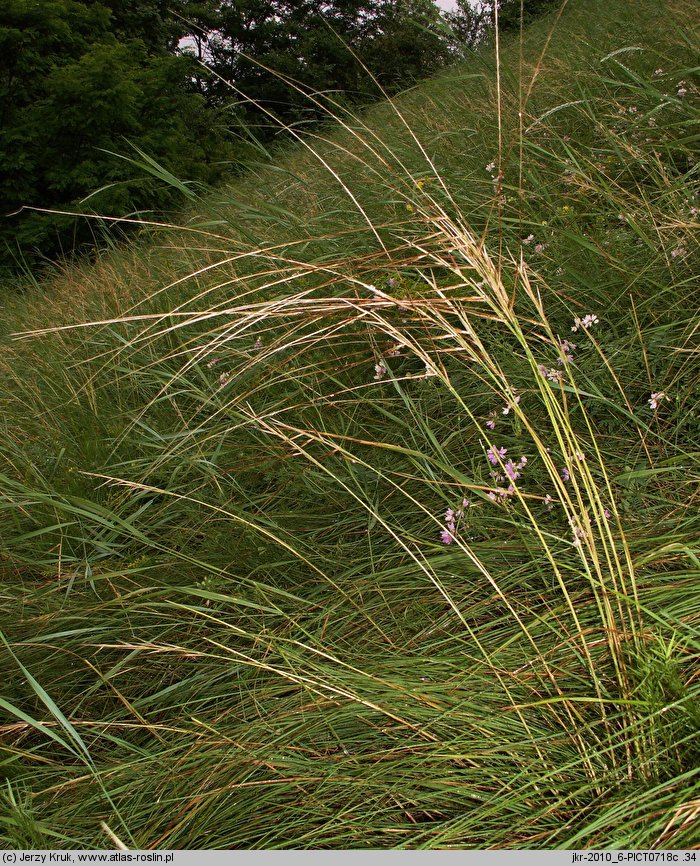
<point x="361" y="511"/>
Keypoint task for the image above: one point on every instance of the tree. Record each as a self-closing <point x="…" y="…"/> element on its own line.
<point x="78" y="80"/>
<point x="469" y="22"/>
<point x="511" y="12"/>
<point x="408" y="43"/>
<point x="81" y="80"/>
<point x="472" y="22"/>
<point x="324" y="45"/>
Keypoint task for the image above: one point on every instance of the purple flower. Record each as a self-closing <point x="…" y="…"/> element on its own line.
<point x="585" y="322"/>
<point x="500" y="496"/>
<point x="491" y="424"/>
<point x="576" y="531"/>
<point x="565" y="474"/>
<point x="494" y="455"/>
<point x="460" y="511"/>
<point x="548" y="502"/>
<point x="656" y="398"/>
<point x="511" y="471"/>
<point x="506" y="409"/>
<point x="567" y="349"/>
<point x="447" y="535"/>
<point x="379" y="371"/>
<point x="552" y="374"/>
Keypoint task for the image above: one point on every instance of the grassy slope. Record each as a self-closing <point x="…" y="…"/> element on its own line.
<point x="252" y="636"/>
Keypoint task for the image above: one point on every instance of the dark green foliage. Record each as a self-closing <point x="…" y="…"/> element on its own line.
<point x="82" y="83"/>
<point x="407" y="45"/>
<point x="337" y="46"/>
<point x="472" y="21"/>
<point x="156" y="22"/>
<point x="512" y="12"/>
<point x="78" y="80"/>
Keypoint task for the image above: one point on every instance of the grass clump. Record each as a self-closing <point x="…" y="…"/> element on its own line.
<point x="363" y="512"/>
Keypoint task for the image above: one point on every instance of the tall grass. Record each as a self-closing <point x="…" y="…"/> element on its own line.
<point x="238" y="610"/>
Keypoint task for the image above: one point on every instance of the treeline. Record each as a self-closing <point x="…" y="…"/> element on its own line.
<point x="90" y="91"/>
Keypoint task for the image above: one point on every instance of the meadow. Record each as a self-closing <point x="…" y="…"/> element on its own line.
<point x="360" y="509"/>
